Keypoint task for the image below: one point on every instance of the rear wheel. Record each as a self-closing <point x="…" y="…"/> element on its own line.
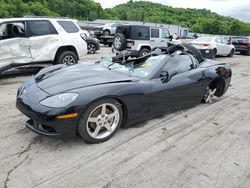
<point x="67" y="58"/>
<point x="214" y="53"/>
<point x="101" y="121"/>
<point x="215" y="89"/>
<point x="231" y="53"/>
<point x="91" y="48"/>
<point x="144" y="52"/>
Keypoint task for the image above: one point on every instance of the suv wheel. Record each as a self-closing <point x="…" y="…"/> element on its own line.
<point x="67" y="58"/>
<point x="144" y="52"/>
<point x="119" y="42"/>
<point x="91" y="48"/>
<point x="106" y="32"/>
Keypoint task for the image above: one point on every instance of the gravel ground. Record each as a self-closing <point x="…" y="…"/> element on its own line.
<point x="206" y="146"/>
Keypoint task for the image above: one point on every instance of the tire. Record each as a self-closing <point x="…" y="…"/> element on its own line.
<point x="248" y="52"/>
<point x="120" y="42"/>
<point x="110" y="44"/>
<point x="67" y="57"/>
<point x="106" y="32"/>
<point x="91" y="48"/>
<point x="214" y="53"/>
<point x="144" y="52"/>
<point x="93" y="123"/>
<point x="231" y="54"/>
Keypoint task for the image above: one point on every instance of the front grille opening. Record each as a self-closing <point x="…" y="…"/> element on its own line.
<point x="48" y="129"/>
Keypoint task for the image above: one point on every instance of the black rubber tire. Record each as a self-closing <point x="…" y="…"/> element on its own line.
<point x="106" y="32"/>
<point x="144" y="50"/>
<point x="82" y="128"/>
<point x="231" y="54"/>
<point x="62" y="55"/>
<point x="248" y="52"/>
<point x="123" y="43"/>
<point x="94" y="48"/>
<point x="214" y="53"/>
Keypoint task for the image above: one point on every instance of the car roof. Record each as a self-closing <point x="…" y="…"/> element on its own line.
<point x="33" y="18"/>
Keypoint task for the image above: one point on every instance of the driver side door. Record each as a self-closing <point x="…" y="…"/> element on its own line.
<point x="183" y="89"/>
<point x="14" y="44"/>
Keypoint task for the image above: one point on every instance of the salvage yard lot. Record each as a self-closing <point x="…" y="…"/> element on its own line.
<point x="206" y="146"/>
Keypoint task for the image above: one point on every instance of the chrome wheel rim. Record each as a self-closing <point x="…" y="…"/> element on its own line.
<point x="210" y="95"/>
<point x="69" y="60"/>
<point x="117" y="42"/>
<point x="91" y="48"/>
<point x="103" y="121"/>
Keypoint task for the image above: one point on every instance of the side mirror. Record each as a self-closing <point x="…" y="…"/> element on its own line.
<point x="164" y="76"/>
<point x="171" y="37"/>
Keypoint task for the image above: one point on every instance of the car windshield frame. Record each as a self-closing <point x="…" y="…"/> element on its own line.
<point x="151" y="75"/>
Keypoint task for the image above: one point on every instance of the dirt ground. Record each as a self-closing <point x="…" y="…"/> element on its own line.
<point x="206" y="146"/>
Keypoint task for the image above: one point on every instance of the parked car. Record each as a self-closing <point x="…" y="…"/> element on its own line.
<point x="214" y="46"/>
<point x="140" y="38"/>
<point x="32" y="40"/>
<point x="110" y="28"/>
<point x="242" y="44"/>
<point x="64" y="101"/>
<point x="92" y="43"/>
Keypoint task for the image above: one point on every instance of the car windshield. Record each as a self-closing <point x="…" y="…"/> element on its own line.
<point x="142" y="70"/>
<point x="204" y="39"/>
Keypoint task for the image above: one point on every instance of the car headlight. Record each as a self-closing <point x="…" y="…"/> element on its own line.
<point x="60" y="100"/>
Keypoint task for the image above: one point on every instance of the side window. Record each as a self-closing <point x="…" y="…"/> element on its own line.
<point x="165" y="33"/>
<point x="218" y="40"/>
<point x="155" y="33"/>
<point x="41" y="27"/>
<point x="69" y="26"/>
<point x="12" y="30"/>
<point x="140" y="33"/>
<point x="178" y="64"/>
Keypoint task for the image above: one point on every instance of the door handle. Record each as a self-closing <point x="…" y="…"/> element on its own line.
<point x="152" y="40"/>
<point x="162" y="41"/>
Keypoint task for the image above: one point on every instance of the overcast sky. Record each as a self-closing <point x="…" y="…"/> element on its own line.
<point x="235" y="8"/>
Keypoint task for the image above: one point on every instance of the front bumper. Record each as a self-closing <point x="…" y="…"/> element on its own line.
<point x="43" y="120"/>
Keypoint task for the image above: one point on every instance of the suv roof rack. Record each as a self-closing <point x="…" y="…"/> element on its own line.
<point x="56" y="17"/>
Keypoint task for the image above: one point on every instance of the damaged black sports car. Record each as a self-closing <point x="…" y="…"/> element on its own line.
<point x="95" y="99"/>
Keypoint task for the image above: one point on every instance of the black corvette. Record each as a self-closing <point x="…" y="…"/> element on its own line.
<point x="95" y="99"/>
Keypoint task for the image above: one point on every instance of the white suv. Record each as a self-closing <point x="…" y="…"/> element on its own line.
<point x="34" y="40"/>
<point x="142" y="39"/>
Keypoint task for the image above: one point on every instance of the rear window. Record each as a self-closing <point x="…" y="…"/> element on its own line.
<point x="69" y="26"/>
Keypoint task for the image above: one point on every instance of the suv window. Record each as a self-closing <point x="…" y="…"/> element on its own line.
<point x="12" y="30"/>
<point x="155" y="33"/>
<point x="178" y="64"/>
<point x="165" y="33"/>
<point x="69" y="26"/>
<point x="41" y="27"/>
<point x="140" y="33"/>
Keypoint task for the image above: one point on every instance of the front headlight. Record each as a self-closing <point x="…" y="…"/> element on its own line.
<point x="60" y="100"/>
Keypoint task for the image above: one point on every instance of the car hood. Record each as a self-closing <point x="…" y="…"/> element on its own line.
<point x="61" y="78"/>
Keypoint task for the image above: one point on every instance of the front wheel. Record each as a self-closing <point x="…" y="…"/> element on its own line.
<point x="67" y="58"/>
<point x="144" y="52"/>
<point x="101" y="121"/>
